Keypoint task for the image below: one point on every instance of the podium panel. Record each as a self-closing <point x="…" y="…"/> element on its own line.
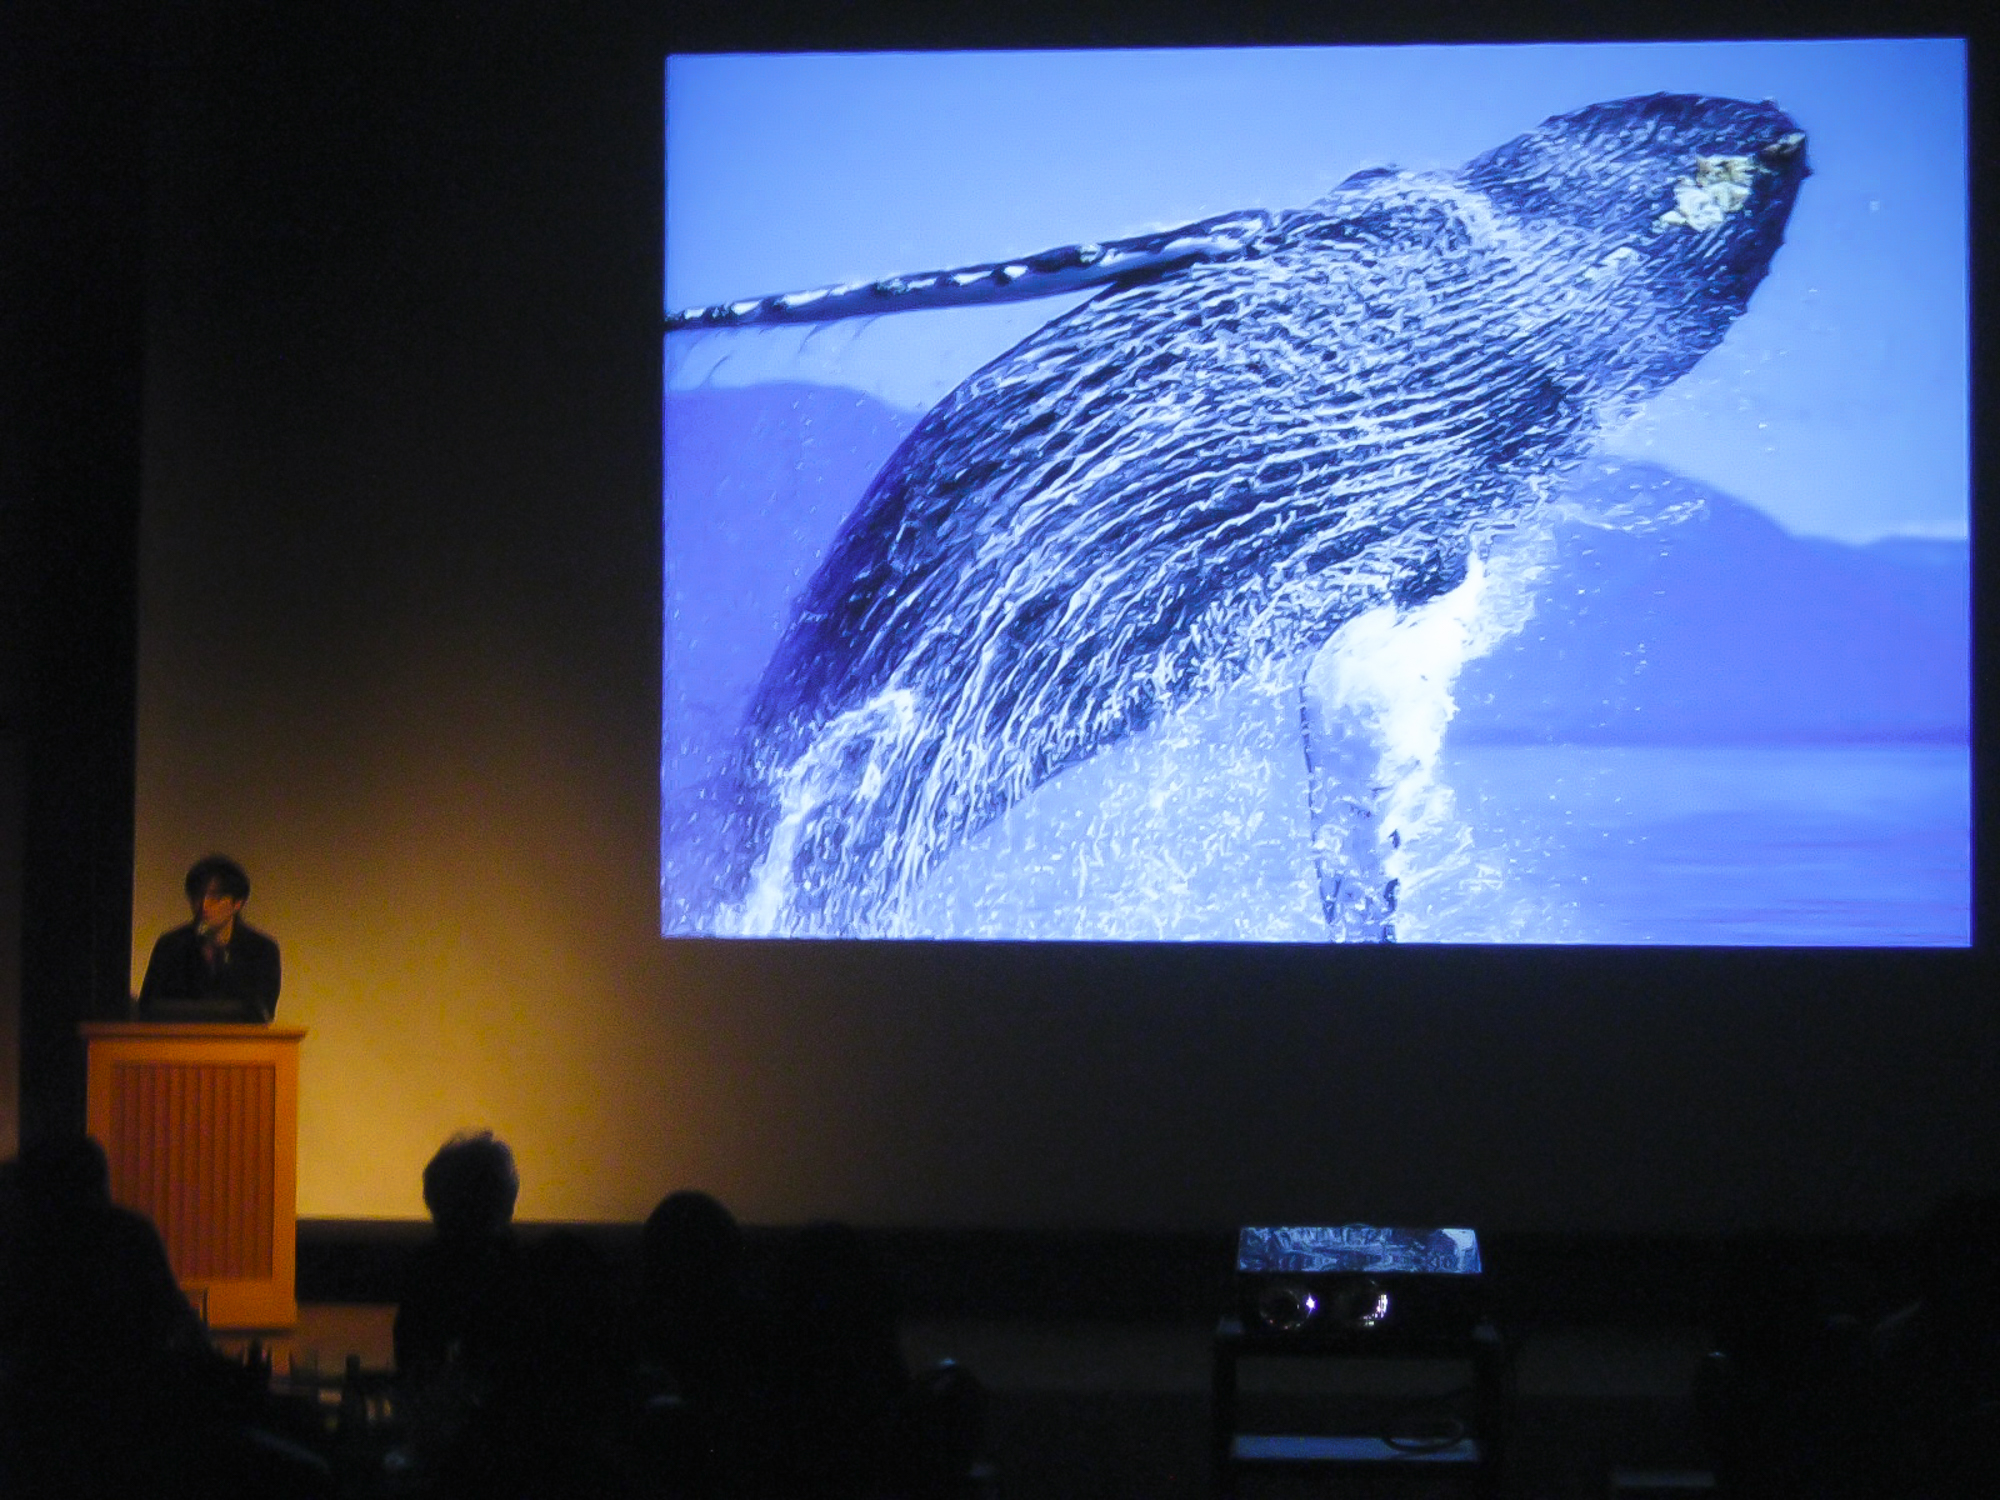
<point x="200" y="1123"/>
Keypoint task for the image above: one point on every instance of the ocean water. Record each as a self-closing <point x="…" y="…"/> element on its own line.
<point x="1202" y="835"/>
<point x="1204" y="828"/>
<point x="1751" y="845"/>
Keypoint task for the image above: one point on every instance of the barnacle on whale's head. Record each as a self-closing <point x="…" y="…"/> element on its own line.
<point x="1719" y="187"/>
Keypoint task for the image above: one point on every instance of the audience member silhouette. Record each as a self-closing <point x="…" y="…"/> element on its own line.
<point x="1933" y="1386"/>
<point x="1837" y="1401"/>
<point x="461" y="1288"/>
<point x="556" y="1418"/>
<point x="711" y="1339"/>
<point x="849" y="1418"/>
<point x="839" y="1377"/>
<point x="109" y="1384"/>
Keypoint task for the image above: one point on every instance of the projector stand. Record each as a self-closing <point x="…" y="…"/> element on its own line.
<point x="1426" y="1413"/>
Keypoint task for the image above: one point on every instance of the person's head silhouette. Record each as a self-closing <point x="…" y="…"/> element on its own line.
<point x="470" y="1186"/>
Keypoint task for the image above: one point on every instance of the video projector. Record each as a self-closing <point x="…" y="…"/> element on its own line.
<point x="1359" y="1284"/>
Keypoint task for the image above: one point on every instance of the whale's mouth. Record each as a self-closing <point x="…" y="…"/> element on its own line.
<point x="1786" y="156"/>
<point x="1786" y="148"/>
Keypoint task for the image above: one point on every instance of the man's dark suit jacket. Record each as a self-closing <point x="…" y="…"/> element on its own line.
<point x="248" y="976"/>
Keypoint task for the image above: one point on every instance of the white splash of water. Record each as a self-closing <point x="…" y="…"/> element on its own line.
<point x="1381" y="691"/>
<point x="848" y="760"/>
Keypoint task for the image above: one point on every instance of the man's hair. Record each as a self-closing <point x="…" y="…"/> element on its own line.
<point x="471" y="1184"/>
<point x="224" y="871"/>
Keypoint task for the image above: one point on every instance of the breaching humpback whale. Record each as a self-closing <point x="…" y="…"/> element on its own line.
<point x="1262" y="426"/>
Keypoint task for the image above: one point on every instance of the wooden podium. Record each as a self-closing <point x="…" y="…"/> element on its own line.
<point x="201" y="1124"/>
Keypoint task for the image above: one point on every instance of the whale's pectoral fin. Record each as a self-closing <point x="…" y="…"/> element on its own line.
<point x="1343" y="758"/>
<point x="1068" y="268"/>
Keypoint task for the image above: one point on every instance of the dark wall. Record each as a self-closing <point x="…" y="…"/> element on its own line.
<point x="400" y="652"/>
<point x="72" y="173"/>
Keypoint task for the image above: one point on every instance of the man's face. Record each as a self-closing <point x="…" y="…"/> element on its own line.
<point x="217" y="908"/>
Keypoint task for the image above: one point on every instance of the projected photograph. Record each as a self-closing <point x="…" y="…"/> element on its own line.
<point x="1423" y="494"/>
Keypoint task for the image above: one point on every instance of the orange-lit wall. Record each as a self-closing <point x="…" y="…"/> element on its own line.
<point x="399" y="654"/>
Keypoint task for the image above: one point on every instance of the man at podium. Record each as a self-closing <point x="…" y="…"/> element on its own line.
<point x="217" y="967"/>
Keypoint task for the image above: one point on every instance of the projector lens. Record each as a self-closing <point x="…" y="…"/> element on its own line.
<point x="1286" y="1307"/>
<point x="1365" y="1304"/>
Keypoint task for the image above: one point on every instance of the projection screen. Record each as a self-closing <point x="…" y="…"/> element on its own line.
<point x="1420" y="494"/>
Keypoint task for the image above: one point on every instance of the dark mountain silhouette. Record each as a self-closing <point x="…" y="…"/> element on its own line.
<point x="1727" y="628"/>
<point x="759" y="479"/>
